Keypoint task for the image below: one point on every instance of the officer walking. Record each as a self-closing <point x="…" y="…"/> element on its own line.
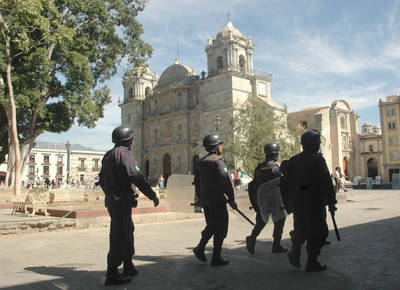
<point x="212" y="183"/>
<point x="265" y="171"/>
<point x="311" y="189"/>
<point x="119" y="177"/>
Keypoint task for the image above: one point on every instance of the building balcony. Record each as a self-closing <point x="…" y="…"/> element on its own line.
<point x="95" y="169"/>
<point x="81" y="168"/>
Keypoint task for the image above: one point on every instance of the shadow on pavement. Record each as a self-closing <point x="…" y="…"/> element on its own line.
<point x="367" y="258"/>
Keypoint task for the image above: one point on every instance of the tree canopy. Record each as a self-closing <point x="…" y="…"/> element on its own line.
<point x="60" y="52"/>
<point x="255" y="124"/>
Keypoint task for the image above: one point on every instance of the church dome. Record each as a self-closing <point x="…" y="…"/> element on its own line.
<point x="227" y="29"/>
<point x="175" y="73"/>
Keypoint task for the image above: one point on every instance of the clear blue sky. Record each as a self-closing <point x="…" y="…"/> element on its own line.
<point x="316" y="50"/>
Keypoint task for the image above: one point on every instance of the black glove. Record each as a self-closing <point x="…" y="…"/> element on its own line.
<point x="332" y="208"/>
<point x="233" y="204"/>
<point x="156" y="201"/>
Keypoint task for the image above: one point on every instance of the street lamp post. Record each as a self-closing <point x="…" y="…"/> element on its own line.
<point x="217" y="122"/>
<point x="68" y="146"/>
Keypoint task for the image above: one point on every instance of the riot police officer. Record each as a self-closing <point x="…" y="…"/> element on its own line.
<point x="212" y="183"/>
<point x="265" y="171"/>
<point x="311" y="189"/>
<point x="119" y="177"/>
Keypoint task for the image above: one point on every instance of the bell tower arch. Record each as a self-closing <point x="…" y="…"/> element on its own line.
<point x="230" y="50"/>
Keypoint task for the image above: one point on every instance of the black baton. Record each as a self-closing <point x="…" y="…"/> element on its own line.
<point x="335" y="226"/>
<point x="243" y="215"/>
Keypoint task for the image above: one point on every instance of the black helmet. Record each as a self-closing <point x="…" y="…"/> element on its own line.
<point x="211" y="141"/>
<point x="122" y="134"/>
<point x="271" y="148"/>
<point x="311" y="137"/>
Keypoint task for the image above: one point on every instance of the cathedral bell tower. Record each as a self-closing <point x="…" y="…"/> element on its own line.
<point x="229" y="51"/>
<point x="137" y="87"/>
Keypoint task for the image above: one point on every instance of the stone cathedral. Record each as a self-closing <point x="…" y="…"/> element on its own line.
<point x="172" y="113"/>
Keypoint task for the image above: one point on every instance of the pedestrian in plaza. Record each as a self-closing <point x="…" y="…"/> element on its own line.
<point x="237" y="180"/>
<point x="264" y="172"/>
<point x="311" y="189"/>
<point x="212" y="183"/>
<point x="119" y="177"/>
<point x="160" y="182"/>
<point x="339" y="180"/>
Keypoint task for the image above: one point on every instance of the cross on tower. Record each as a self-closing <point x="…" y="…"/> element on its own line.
<point x="228" y="15"/>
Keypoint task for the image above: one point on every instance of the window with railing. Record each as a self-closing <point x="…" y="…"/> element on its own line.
<point x="46" y="159"/>
<point x="59" y="170"/>
<point x="45" y="170"/>
<point x="31" y="169"/>
<point x="393" y="140"/>
<point x="394" y="155"/>
<point x="31" y="158"/>
<point x="391" y="125"/>
<point x="59" y="159"/>
<point x="390" y="111"/>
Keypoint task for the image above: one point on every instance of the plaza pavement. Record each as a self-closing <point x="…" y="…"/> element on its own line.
<point x="368" y="257"/>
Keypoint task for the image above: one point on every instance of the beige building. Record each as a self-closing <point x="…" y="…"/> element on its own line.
<point x="338" y="124"/>
<point x="389" y="111"/>
<point x="371" y="151"/>
<point x="56" y="162"/>
<point x="171" y="114"/>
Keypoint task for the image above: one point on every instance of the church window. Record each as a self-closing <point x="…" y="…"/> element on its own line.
<point x="220" y="62"/>
<point x="242" y="63"/>
<point x="262" y="88"/>
<point x="147" y="91"/>
<point x="343" y="122"/>
<point x="303" y="124"/>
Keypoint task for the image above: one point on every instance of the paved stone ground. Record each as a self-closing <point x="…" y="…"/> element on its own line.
<point x="368" y="256"/>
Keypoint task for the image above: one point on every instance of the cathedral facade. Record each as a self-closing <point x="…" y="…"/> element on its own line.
<point x="172" y="113"/>
<point x="338" y="124"/>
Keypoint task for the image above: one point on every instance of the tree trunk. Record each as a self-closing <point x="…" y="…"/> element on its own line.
<point x="13" y="115"/>
<point x="10" y="164"/>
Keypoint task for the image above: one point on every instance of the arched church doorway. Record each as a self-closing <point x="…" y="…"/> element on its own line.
<point x="194" y="165"/>
<point x="372" y="166"/>
<point x="166" y="167"/>
<point x="345" y="166"/>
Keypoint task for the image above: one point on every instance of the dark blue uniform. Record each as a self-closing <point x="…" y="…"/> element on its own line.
<point x="264" y="172"/>
<point x="119" y="177"/>
<point x="214" y="183"/>
<point x="311" y="189"/>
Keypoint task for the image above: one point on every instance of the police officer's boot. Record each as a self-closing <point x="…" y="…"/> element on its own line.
<point x="115" y="278"/>
<point x="216" y="258"/>
<point x="294" y="256"/>
<point x="129" y="268"/>
<point x="314" y="266"/>
<point x="199" y="250"/>
<point x="277" y="248"/>
<point x="251" y="244"/>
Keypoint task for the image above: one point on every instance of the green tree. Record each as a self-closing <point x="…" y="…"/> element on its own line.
<point x="254" y="125"/>
<point x="54" y="58"/>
